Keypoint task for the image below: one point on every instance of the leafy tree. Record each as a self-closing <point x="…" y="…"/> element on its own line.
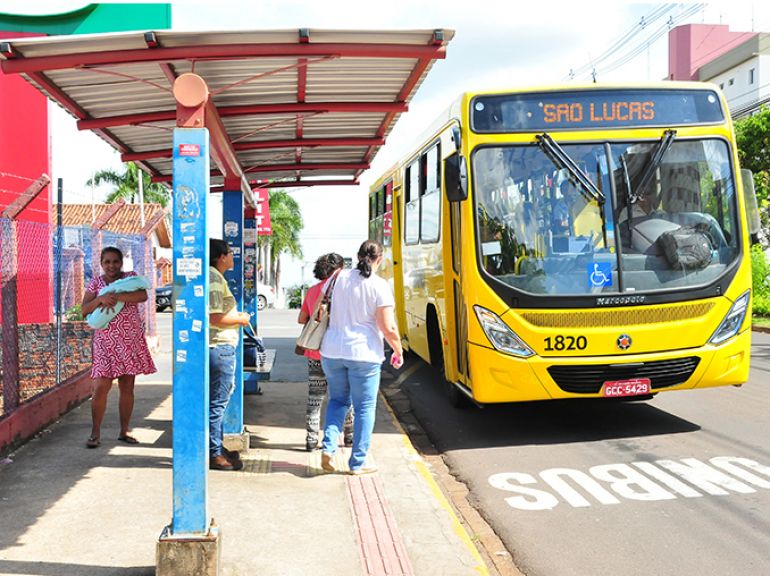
<point x="753" y="137"/>
<point x="760" y="273"/>
<point x="126" y="186"/>
<point x="286" y="222"/>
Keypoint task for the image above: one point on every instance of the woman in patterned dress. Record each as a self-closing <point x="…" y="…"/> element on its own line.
<point x="119" y="350"/>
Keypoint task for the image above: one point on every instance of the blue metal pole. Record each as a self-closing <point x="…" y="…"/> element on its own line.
<point x="191" y="332"/>
<point x="232" y="232"/>
<point x="250" y="263"/>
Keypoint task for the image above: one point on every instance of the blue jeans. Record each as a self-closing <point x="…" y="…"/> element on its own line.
<point x="221" y="386"/>
<point x="357" y="382"/>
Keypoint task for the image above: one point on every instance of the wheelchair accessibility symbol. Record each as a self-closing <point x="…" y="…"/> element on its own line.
<point x="599" y="274"/>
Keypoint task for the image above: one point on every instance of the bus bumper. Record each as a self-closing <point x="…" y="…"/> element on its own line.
<point x="499" y="377"/>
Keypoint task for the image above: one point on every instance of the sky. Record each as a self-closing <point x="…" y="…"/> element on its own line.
<point x="503" y="43"/>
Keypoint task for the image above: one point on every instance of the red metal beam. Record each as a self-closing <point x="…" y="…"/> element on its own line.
<point x="219" y="52"/>
<point x="223" y="153"/>
<point x="168" y="71"/>
<point x="308" y="183"/>
<point x="266" y="145"/>
<point x="111" y="210"/>
<point x="23" y="200"/>
<point x="308" y="167"/>
<point x="70" y="105"/>
<point x="153" y="222"/>
<point x="221" y="148"/>
<point x="403" y="94"/>
<point x="225" y="111"/>
<point x="286" y="168"/>
<point x="301" y="93"/>
<point x="294" y="184"/>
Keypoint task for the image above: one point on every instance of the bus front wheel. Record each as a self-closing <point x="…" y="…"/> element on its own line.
<point x="436" y="350"/>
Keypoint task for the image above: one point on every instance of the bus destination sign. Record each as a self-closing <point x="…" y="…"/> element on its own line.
<point x="594" y="109"/>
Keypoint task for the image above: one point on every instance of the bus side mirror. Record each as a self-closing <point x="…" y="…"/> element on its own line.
<point x="456" y="178"/>
<point x="750" y="199"/>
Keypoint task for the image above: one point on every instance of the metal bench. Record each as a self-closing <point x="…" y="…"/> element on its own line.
<point x="252" y="375"/>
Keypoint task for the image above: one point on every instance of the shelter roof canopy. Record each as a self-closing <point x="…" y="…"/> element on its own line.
<point x="295" y="107"/>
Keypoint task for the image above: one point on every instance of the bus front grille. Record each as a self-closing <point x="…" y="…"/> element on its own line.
<point x="588" y="379"/>
<point x="617" y="317"/>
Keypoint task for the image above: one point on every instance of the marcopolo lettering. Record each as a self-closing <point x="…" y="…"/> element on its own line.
<point x="643" y="481"/>
<point x="619" y="300"/>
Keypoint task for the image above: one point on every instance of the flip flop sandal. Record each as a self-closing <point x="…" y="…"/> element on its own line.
<point x="93" y="442"/>
<point x="128" y="439"/>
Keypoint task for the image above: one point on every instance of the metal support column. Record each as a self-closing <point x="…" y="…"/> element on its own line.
<point x="191" y="544"/>
<point x="191" y="332"/>
<point x="236" y="437"/>
<point x="251" y="379"/>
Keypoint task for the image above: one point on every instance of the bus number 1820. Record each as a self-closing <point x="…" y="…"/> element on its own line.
<point x="560" y="343"/>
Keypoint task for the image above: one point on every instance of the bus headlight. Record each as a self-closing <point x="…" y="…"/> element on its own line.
<point x="500" y="335"/>
<point x="733" y="320"/>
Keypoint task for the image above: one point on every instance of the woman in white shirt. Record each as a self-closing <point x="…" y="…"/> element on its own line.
<point x="352" y="352"/>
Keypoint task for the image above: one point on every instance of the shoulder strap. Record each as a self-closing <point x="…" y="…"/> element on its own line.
<point x="330" y="288"/>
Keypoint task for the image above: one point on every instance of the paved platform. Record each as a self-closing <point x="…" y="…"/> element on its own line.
<point x="66" y="510"/>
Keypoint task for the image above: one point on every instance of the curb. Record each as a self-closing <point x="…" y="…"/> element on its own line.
<point x="485" y="545"/>
<point x="33" y="416"/>
<point x="438" y="493"/>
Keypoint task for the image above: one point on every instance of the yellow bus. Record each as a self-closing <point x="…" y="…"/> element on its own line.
<point x="573" y="242"/>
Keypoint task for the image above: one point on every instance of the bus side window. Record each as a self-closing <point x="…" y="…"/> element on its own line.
<point x="387" y="222"/>
<point x="412" y="204"/>
<point x="372" y="215"/>
<point x="430" y="218"/>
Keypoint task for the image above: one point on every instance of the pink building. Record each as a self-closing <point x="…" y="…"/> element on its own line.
<point x="735" y="61"/>
<point x="693" y="45"/>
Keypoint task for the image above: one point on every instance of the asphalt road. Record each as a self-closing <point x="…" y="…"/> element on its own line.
<point x="678" y="485"/>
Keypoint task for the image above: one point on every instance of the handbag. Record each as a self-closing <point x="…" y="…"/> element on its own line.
<point x="314" y="329"/>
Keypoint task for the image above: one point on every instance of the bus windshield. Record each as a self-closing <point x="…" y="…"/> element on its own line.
<point x="656" y="215"/>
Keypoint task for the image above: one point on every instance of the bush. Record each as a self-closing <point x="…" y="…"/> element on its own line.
<point x="760" y="306"/>
<point x="74" y="314"/>
<point x="294" y="295"/>
<point x="760" y="281"/>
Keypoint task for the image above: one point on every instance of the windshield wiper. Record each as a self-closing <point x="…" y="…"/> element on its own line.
<point x="657" y="157"/>
<point x="560" y="157"/>
<point x="629" y="194"/>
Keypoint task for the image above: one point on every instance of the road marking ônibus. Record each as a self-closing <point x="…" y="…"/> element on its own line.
<point x="645" y="481"/>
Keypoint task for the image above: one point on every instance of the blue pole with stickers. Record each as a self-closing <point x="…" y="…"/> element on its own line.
<point x="191" y="332"/>
<point x="232" y="233"/>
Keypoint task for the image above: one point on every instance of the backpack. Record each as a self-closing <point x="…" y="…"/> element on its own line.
<point x="687" y="247"/>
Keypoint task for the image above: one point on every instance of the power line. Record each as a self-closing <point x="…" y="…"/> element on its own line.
<point x="644" y="21"/>
<point x="639" y="47"/>
<point x="653" y="37"/>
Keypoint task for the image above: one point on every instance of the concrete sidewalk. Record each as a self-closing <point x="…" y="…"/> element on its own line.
<point x="66" y="510"/>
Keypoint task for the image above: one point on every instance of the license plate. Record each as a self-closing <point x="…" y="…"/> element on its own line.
<point x="620" y="388"/>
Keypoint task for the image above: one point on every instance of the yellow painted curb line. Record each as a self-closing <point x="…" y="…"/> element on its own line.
<point x="422" y="468"/>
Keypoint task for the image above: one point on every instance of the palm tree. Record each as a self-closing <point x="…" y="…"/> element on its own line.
<point x="286" y="221"/>
<point x="126" y="185"/>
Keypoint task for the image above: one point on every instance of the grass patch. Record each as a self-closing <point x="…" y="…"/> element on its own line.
<point x="763" y="321"/>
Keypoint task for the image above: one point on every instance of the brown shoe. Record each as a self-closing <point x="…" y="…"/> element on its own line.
<point x="236" y="462"/>
<point x="326" y="462"/>
<point x="220" y="463"/>
<point x="231" y="455"/>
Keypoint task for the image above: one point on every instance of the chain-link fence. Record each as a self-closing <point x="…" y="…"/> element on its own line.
<point x="45" y="269"/>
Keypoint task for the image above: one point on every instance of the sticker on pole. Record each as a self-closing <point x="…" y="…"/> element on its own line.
<point x="189" y="267"/>
<point x="189" y="150"/>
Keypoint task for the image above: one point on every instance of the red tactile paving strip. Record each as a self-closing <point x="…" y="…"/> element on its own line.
<point x="381" y="548"/>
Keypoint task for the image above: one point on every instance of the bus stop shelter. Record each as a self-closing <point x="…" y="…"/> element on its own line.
<point x="284" y="108"/>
